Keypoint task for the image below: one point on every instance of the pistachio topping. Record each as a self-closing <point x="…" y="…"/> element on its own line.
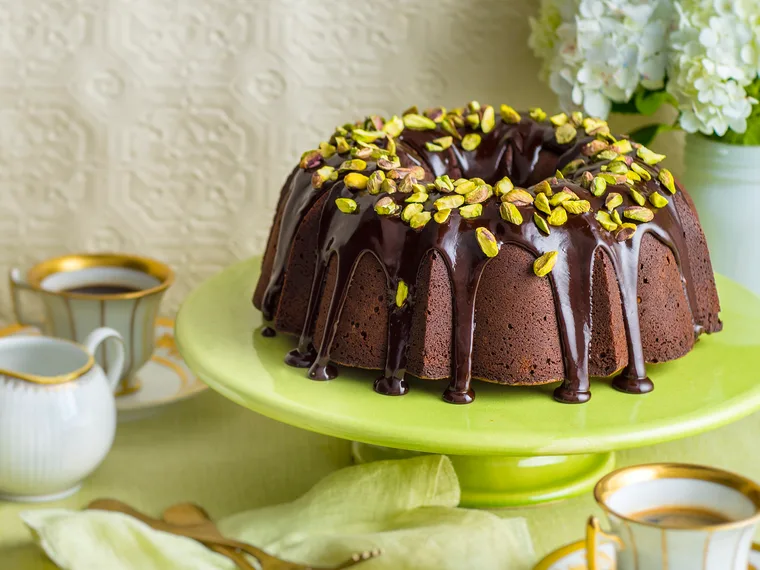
<point x="518" y="197"/>
<point x="503" y="186"/>
<point x="623" y="146"/>
<point x="577" y="206"/>
<point x="541" y="223"/>
<point x="605" y="221"/>
<point x="322" y="175"/>
<point x="625" y="232"/>
<point x="411" y="210"/>
<point x="558" y="217"/>
<point x="487" y="242"/>
<point x="402" y="292"/>
<point x="592" y="125"/>
<point x="394" y="127"/>
<point x="598" y="186"/>
<point x="375" y="182"/>
<point x="667" y="180"/>
<point x="649" y="157"/>
<point x="444" y="184"/>
<point x="355" y="164"/>
<point x="310" y="159"/>
<point x="407" y="184"/>
<point x="509" y="115"/>
<point x="565" y="133"/>
<point x="360" y="135"/>
<point x="388" y="186"/>
<point x="471" y="141"/>
<point x="542" y="203"/>
<point x="481" y="193"/>
<point x="418" y="122"/>
<point x="346" y="205"/>
<point x="572" y="166"/>
<point x="442" y="215"/>
<point x="466" y="187"/>
<point x="658" y="200"/>
<point x="419" y="221"/>
<point x="615" y="216"/>
<point x="436" y="114"/>
<point x="417" y="197"/>
<point x="542" y="187"/>
<point x="638" y="213"/>
<point x="326" y="150"/>
<point x="608" y="178"/>
<point x="613" y="200"/>
<point x="559" y="119"/>
<point x="473" y="106"/>
<point x="632" y="176"/>
<point x="586" y="180"/>
<point x="641" y="171"/>
<point x="385" y="206"/>
<point x="543" y="265"/>
<point x="561" y="196"/>
<point x="448" y="202"/>
<point x="617" y="167"/>
<point x="606" y="154"/>
<point x="488" y="120"/>
<point x="510" y="213"/>
<point x="594" y="147"/>
<point x="637" y="197"/>
<point x="473" y="120"/>
<point x="341" y="145"/>
<point x="389" y="163"/>
<point x="448" y="125"/>
<point x="355" y="181"/>
<point x="439" y="144"/>
<point x="471" y="211"/>
<point x="537" y="114"/>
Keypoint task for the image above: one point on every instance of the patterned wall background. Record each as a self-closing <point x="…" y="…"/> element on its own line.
<point x="166" y="127"/>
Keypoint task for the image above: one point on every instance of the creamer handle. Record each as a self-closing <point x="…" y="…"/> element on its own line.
<point x="594" y="533"/>
<point x="18" y="284"/>
<point x="93" y="342"/>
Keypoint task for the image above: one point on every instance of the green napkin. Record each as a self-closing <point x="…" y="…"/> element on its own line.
<point x="407" y="508"/>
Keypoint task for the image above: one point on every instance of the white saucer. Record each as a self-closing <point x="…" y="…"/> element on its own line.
<point x="164" y="379"/>
<point x="573" y="557"/>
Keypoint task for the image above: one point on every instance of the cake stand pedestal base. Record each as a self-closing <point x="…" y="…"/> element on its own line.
<point x="497" y="481"/>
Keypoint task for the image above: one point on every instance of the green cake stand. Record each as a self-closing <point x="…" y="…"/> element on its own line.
<point x="512" y="446"/>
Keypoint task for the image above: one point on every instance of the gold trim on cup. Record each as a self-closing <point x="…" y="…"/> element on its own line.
<point x="75" y="262"/>
<point x="622" y="478"/>
<point x="60" y="378"/>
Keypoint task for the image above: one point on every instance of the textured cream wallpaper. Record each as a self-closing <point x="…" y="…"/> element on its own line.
<point x="166" y="127"/>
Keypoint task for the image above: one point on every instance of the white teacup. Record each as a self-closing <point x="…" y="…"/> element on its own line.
<point x="82" y="292"/>
<point x="672" y="516"/>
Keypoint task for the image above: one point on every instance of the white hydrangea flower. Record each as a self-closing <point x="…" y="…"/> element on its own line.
<point x="714" y="55"/>
<point x="596" y="52"/>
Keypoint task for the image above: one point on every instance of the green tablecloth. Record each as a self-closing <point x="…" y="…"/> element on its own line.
<point x="226" y="458"/>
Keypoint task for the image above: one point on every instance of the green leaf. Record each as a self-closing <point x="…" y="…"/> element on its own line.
<point x="628" y="108"/>
<point x="645" y="135"/>
<point x="647" y="102"/>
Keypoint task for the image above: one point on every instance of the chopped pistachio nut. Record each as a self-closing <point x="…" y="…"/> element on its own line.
<point x="510" y="213"/>
<point x="466" y="187"/>
<point x="658" y="200"/>
<point x="509" y="115"/>
<point x="606" y="154"/>
<point x="346" y="205"/>
<point x="615" y="216"/>
<point x="322" y="175"/>
<point x="559" y="119"/>
<point x="473" y="106"/>
<point x="481" y="193"/>
<point x="389" y="163"/>
<point x="667" y="180"/>
<point x="559" y="197"/>
<point x="375" y="182"/>
<point x="605" y="221"/>
<point x="460" y="181"/>
<point x="594" y="147"/>
<point x="543" y="265"/>
<point x="488" y="120"/>
<point x="637" y="197"/>
<point x="487" y="242"/>
<point x="355" y="180"/>
<point x="577" y="118"/>
<point x="537" y="114"/>
<point x="385" y="206"/>
<point x="418" y="122"/>
<point x="436" y="113"/>
<point x="541" y="223"/>
<point x="625" y="232"/>
<point x="448" y="202"/>
<point x="388" y="186"/>
<point x="310" y="159"/>
<point x="577" y="206"/>
<point x="440" y="144"/>
<point x="608" y="178"/>
<point x="411" y="210"/>
<point x="542" y="203"/>
<point x="623" y="146"/>
<point x="558" y="217"/>
<point x="419" y="221"/>
<point x="638" y="213"/>
<point x="473" y="120"/>
<point x="503" y="186"/>
<point x="471" y="211"/>
<point x="641" y="171"/>
<point x="407" y="184"/>
<point x="613" y="200"/>
<point x="441" y="216"/>
<point x="565" y="133"/>
<point x="558" y="176"/>
<point x="360" y="135"/>
<point x="542" y="187"/>
<point x="448" y="125"/>
<point x="444" y="183"/>
<point x="417" y="197"/>
<point x="649" y="157"/>
<point x="598" y="186"/>
<point x="355" y="164"/>
<point x="413" y="110"/>
<point x="572" y="166"/>
<point x="591" y="124"/>
<point x="402" y="291"/>
<point x="363" y="153"/>
<point x="518" y="197"/>
<point x="586" y="180"/>
<point x="617" y="167"/>
<point x="326" y="150"/>
<point x="394" y="127"/>
<point x="471" y="141"/>
<point x="341" y="145"/>
<point x="632" y="176"/>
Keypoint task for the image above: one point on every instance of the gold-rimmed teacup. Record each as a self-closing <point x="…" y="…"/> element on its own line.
<point x="81" y="292"/>
<point x="669" y="516"/>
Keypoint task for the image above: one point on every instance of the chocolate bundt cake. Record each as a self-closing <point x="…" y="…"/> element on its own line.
<point x="520" y="250"/>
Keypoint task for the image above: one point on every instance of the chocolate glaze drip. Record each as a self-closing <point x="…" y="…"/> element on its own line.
<point x="268" y="332"/>
<point x="527" y="153"/>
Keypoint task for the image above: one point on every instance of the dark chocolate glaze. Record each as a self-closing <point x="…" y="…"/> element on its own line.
<point x="268" y="332"/>
<point x="526" y="152"/>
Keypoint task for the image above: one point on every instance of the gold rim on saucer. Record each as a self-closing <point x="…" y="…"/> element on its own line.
<point x="74" y="262"/>
<point x="626" y="476"/>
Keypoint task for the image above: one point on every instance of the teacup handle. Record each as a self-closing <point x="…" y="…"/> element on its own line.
<point x="92" y="343"/>
<point x="594" y="532"/>
<point x="17" y="284"/>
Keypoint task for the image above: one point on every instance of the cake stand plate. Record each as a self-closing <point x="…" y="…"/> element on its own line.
<point x="512" y="445"/>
